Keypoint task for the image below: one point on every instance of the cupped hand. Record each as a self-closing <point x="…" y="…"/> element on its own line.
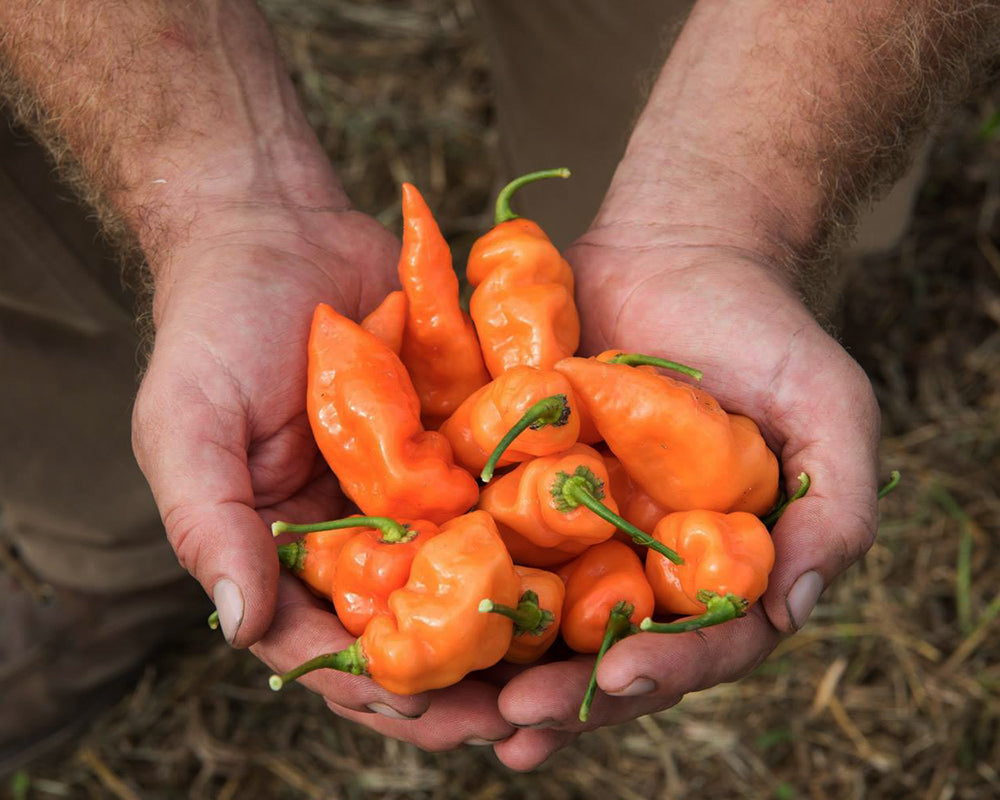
<point x="221" y="433"/>
<point x="731" y="314"/>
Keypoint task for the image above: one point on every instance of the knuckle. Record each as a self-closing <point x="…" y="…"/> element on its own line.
<point x="182" y="528"/>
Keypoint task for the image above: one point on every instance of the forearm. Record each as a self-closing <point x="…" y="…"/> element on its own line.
<point x="773" y="120"/>
<point x="164" y="111"/>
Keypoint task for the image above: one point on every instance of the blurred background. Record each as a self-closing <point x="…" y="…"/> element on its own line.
<point x="893" y="688"/>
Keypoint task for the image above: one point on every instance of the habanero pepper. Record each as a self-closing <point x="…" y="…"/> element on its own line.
<point x="434" y="634"/>
<point x="634" y="504"/>
<point x="607" y="595"/>
<point x="387" y="321"/>
<point x="365" y="417"/>
<point x="372" y="563"/>
<point x="724" y="554"/>
<point x="440" y="348"/>
<point x="524" y="412"/>
<point x="557" y="502"/>
<point x="522" y="305"/>
<point x="675" y="440"/>
<point x="536" y="617"/>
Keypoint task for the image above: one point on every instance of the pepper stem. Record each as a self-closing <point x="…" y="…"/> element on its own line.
<point x="528" y="617"/>
<point x="719" y="609"/>
<point x="392" y="531"/>
<point x="213" y="620"/>
<point x="584" y="488"/>
<point x="894" y="478"/>
<point x="292" y="555"/>
<point x="639" y="359"/>
<point x="350" y="659"/>
<point x="552" y="411"/>
<point x="772" y="518"/>
<point x="503" y="210"/>
<point x="618" y="628"/>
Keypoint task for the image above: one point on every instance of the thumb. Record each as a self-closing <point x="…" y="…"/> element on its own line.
<point x="192" y="448"/>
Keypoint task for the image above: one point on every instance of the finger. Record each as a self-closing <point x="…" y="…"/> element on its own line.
<point x="529" y="749"/>
<point x="463" y="714"/>
<point x="303" y="629"/>
<point x="823" y="533"/>
<point x="191" y="445"/>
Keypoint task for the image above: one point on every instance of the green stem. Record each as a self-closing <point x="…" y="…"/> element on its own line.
<point x="292" y="555"/>
<point x="894" y="478"/>
<point x="584" y="488"/>
<point x="552" y="411"/>
<point x="639" y="359"/>
<point x="392" y="532"/>
<point x="719" y="609"/>
<point x="213" y="620"/>
<point x="527" y="617"/>
<point x="350" y="659"/>
<point x="503" y="209"/>
<point x="771" y="519"/>
<point x="618" y="628"/>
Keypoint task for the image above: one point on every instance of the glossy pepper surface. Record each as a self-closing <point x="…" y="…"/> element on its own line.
<point x="440" y="348"/>
<point x="434" y="634"/>
<point x="387" y="321"/>
<point x="313" y="557"/>
<point x="522" y="305"/>
<point x="723" y="554"/>
<point x="365" y="417"/>
<point x="536" y="617"/>
<point x="675" y="440"/>
<point x="634" y="503"/>
<point x="596" y="581"/>
<point x="484" y="418"/>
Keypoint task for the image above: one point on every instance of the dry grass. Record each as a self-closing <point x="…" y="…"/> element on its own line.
<point x="892" y="691"/>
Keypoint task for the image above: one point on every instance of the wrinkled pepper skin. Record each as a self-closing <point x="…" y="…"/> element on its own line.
<point x="434" y="635"/>
<point x="365" y="418"/>
<point x="723" y="553"/>
<point x="522" y="305"/>
<point x="478" y="425"/>
<point x="596" y="581"/>
<point x="675" y="440"/>
<point x="521" y="502"/>
<point x="370" y="568"/>
<point x="387" y="321"/>
<point x="526" y="648"/>
<point x="440" y="348"/>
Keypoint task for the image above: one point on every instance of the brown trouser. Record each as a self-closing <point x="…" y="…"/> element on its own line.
<point x="570" y="76"/>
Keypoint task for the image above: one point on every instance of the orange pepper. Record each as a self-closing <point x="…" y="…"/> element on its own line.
<point x="524" y="412"/>
<point x="634" y="504"/>
<point x="313" y="557"/>
<point x="363" y="568"/>
<point x="434" y="635"/>
<point x="556" y="502"/>
<point x="606" y="596"/>
<point x="440" y="348"/>
<point x="387" y="321"/>
<point x="536" y="618"/>
<point x="523" y="304"/>
<point x="723" y="554"/>
<point x="365" y="417"/>
<point x="675" y="440"/>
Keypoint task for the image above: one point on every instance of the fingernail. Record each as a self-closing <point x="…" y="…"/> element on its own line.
<point x="802" y="598"/>
<point x="388" y="711"/>
<point x="478" y="741"/>
<point x="637" y="687"/>
<point x="228" y="601"/>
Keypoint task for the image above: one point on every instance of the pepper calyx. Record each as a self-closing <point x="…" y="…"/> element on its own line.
<point x="565" y="490"/>
<point x="293" y="555"/>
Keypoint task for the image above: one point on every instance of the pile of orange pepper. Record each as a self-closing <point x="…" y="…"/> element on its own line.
<point x="621" y="489"/>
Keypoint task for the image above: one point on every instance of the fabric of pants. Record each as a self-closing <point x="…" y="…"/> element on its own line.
<point x="570" y="78"/>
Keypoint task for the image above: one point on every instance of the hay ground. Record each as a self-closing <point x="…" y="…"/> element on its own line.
<point x="892" y="690"/>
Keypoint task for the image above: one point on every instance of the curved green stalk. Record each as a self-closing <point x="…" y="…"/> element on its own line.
<point x="618" y="628"/>
<point x="392" y="532"/>
<point x="772" y="518"/>
<point x="552" y="411"/>
<point x="528" y="617"/>
<point x="719" y="609"/>
<point x="503" y="211"/>
<point x="894" y="478"/>
<point x="350" y="659"/>
<point x="639" y="359"/>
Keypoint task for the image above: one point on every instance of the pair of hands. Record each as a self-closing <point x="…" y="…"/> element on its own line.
<point x="220" y="431"/>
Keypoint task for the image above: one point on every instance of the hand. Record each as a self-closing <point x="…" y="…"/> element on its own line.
<point x="655" y="290"/>
<point x="221" y="432"/>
